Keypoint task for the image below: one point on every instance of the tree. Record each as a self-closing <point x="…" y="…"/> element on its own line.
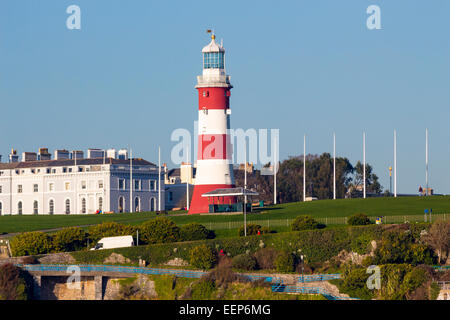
<point x="69" y="239"/>
<point x="159" y="230"/>
<point x="372" y="184"/>
<point x="304" y="223"/>
<point x="438" y="238"/>
<point x="30" y="243"/>
<point x="110" y="229"/>
<point x="12" y="283"/>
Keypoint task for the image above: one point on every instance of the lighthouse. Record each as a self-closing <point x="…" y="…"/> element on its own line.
<point x="214" y="165"/>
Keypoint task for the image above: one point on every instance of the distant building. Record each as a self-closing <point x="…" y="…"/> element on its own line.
<point x="72" y="184"/>
<point x="423" y="191"/>
<point x="175" y="185"/>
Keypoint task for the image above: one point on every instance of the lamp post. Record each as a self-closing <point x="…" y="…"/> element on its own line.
<point x="303" y="267"/>
<point x="390" y="180"/>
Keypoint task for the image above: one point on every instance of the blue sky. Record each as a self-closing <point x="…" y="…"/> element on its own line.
<point x="128" y="76"/>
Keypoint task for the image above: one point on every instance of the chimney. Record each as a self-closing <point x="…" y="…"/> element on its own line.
<point x="95" y="153"/>
<point x="44" y="155"/>
<point x="29" y="156"/>
<point x="123" y="154"/>
<point x="13" y="157"/>
<point x="111" y="153"/>
<point x="77" y="154"/>
<point x="62" y="154"/>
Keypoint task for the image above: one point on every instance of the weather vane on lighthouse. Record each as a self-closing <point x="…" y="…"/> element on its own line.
<point x="214" y="164"/>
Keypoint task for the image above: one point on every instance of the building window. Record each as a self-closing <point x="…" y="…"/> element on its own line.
<point x="47" y="170"/>
<point x="67" y="206"/>
<point x="64" y="170"/>
<point x="170" y="196"/>
<point x="83" y="184"/>
<point x="51" y="186"/>
<point x="35" y="207"/>
<point x="121" y="204"/>
<point x="100" y="184"/>
<point x="1" y="189"/>
<point x="19" y="188"/>
<point x="1" y="208"/>
<point x="137" y="184"/>
<point x="67" y="186"/>
<point x="35" y="188"/>
<point x="100" y="204"/>
<point x="153" y="185"/>
<point x="121" y="184"/>
<point x="213" y="60"/>
<point x="137" y="203"/>
<point x="19" y="208"/>
<point x="51" y="207"/>
<point x="152" y="204"/>
<point x="83" y="205"/>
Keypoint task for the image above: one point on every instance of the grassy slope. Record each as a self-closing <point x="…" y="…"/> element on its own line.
<point x="322" y="208"/>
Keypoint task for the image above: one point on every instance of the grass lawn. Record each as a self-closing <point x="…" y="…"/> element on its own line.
<point x="321" y="208"/>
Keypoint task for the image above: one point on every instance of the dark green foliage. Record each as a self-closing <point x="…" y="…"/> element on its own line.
<point x="203" y="257"/>
<point x="399" y="247"/>
<point x="355" y="284"/>
<point x="359" y="219"/>
<point x="265" y="258"/>
<point x="285" y="262"/>
<point x="193" y="231"/>
<point x="110" y="229"/>
<point x="304" y="223"/>
<point x="69" y="239"/>
<point x="203" y="289"/>
<point x="435" y="289"/>
<point x="244" y="262"/>
<point x="361" y="244"/>
<point x="12" y="283"/>
<point x="252" y="229"/>
<point x="30" y="243"/>
<point x="159" y="230"/>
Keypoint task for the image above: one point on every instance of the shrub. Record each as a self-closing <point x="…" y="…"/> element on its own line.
<point x="304" y="223"/>
<point x="285" y="262"/>
<point x="359" y="219"/>
<point x="159" y="230"/>
<point x="244" y="262"/>
<point x="362" y="243"/>
<point x="110" y="229"/>
<point x="69" y="239"/>
<point x="12" y="283"/>
<point x="193" y="231"/>
<point x="355" y="284"/>
<point x="30" y="243"/>
<point x="414" y="279"/>
<point x="265" y="258"/>
<point x="203" y="289"/>
<point x="202" y="257"/>
<point x="252" y="229"/>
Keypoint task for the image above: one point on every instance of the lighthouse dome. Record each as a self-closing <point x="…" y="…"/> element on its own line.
<point x="213" y="46"/>
<point x="213" y="55"/>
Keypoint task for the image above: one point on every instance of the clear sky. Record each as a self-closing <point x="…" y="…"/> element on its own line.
<point x="127" y="77"/>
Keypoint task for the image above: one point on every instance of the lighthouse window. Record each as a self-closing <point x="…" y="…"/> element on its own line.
<point x="213" y="60"/>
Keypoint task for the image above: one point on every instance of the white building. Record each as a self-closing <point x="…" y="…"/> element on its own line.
<point x="76" y="185"/>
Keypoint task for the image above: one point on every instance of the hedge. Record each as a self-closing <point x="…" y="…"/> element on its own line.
<point x="317" y="246"/>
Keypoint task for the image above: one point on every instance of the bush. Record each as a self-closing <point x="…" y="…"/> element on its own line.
<point x="285" y="262"/>
<point x="304" y="223"/>
<point x="203" y="257"/>
<point x="12" y="284"/>
<point x="69" y="239"/>
<point x="110" y="229"/>
<point x="193" y="231"/>
<point x="244" y="262"/>
<point x="159" y="230"/>
<point x="203" y="289"/>
<point x="252" y="229"/>
<point x="265" y="258"/>
<point x="30" y="243"/>
<point x="359" y="219"/>
<point x="355" y="284"/>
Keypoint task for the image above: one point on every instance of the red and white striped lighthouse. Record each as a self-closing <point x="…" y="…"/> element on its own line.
<point x="214" y="165"/>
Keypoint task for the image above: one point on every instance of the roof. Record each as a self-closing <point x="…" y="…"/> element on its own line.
<point x="173" y="173"/>
<point x="213" y="47"/>
<point x="70" y="162"/>
<point x="227" y="192"/>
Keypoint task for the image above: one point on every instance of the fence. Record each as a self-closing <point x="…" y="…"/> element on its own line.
<point x="327" y="220"/>
<point x="281" y="288"/>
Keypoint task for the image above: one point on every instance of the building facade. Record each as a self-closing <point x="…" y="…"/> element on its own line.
<point x="79" y="186"/>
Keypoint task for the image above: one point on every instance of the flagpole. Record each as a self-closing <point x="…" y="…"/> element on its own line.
<point x="159" y="178"/>
<point x="395" y="164"/>
<point x="304" y="167"/>
<point x="187" y="181"/>
<point x="334" y="165"/>
<point x="245" y="188"/>
<point x="274" y="172"/>
<point x="364" y="163"/>
<point x="426" y="160"/>
<point x="131" y="181"/>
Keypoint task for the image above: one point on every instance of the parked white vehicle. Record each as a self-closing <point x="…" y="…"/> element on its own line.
<point x="114" y="242"/>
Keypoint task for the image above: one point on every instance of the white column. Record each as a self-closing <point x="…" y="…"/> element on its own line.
<point x="245" y="188"/>
<point x="364" y="163"/>
<point x="304" y="167"/>
<point x="395" y="164"/>
<point x="334" y="166"/>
